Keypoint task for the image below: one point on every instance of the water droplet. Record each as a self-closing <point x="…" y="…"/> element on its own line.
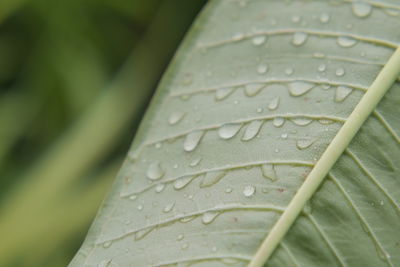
<point x="258" y="40"/>
<point x="228" y="131"/>
<point x="262" y="68"/>
<point x="158" y="145"/>
<point x="299" y="38"/>
<point x="304" y="143"/>
<point x="249" y="190"/>
<point x="391" y="11"/>
<point x="252" y="130"/>
<point x="169" y="207"/>
<point x="211" y="178"/>
<point x="223" y="93"/>
<point x="274" y="103"/>
<point x="259" y="110"/>
<point x="342" y="92"/>
<point x="133" y="197"/>
<point x="160" y="188"/>
<point x="339" y="72"/>
<point x="192" y="140"/>
<point x="107" y="244"/>
<point x="155" y="172"/>
<point x="185" y="246"/>
<point x="345" y="41"/>
<point x="238" y="36"/>
<point x="176" y="117"/>
<point x="228" y="190"/>
<point x="142" y="233"/>
<point x="183" y="181"/>
<point x="324" y="18"/>
<point x="180" y="237"/>
<point x="253" y="88"/>
<point x="268" y="171"/>
<point x="209" y="217"/>
<point x="195" y="162"/>
<point x="322" y="68"/>
<point x="325" y="121"/>
<point x="301" y="121"/>
<point x="361" y="9"/>
<point x="278" y="121"/>
<point x="289" y="71"/>
<point x="140" y="207"/>
<point x="104" y="263"/>
<point x="319" y="55"/>
<point x="284" y="135"/>
<point x="300" y="88"/>
<point x="296" y="18"/>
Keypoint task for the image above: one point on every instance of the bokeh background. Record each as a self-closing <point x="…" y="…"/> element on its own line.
<point x="75" y="79"/>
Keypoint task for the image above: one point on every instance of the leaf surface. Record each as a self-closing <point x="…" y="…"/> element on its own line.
<point x="252" y="99"/>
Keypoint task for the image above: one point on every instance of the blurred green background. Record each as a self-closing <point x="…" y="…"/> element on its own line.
<point x="75" y="79"/>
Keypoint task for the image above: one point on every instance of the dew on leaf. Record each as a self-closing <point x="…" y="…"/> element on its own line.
<point x="268" y="171"/>
<point x="299" y="38"/>
<point x="192" y="140"/>
<point x="345" y="41"/>
<point x="361" y="9"/>
<point x="155" y="171"/>
<point x="211" y="178"/>
<point x="258" y="40"/>
<point x="274" y="103"/>
<point x="300" y="88"/>
<point x="278" y="121"/>
<point x="342" y="92"/>
<point x="223" y="93"/>
<point x="253" y="89"/>
<point x="249" y="191"/>
<point x="252" y="130"/>
<point x="209" y="216"/>
<point x="228" y="131"/>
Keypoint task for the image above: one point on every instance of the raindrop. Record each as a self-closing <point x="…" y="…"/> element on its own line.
<point x="262" y="68"/>
<point x="268" y="171"/>
<point x="160" y="188"/>
<point x="223" y="93"/>
<point x="304" y="143"/>
<point x="187" y="219"/>
<point x="209" y="217"/>
<point x="133" y="197"/>
<point x="301" y="121"/>
<point x="289" y="71"/>
<point x="339" y="72"/>
<point x="296" y="18"/>
<point x="249" y="190"/>
<point x="318" y="55"/>
<point x="142" y="233"/>
<point x="299" y="38"/>
<point x="169" y="207"/>
<point x="258" y="40"/>
<point x="228" y="131"/>
<point x="259" y="110"/>
<point x="107" y="244"/>
<point x="195" y="162"/>
<point x="252" y="130"/>
<point x="342" y="92"/>
<point x="322" y="68"/>
<point x="361" y="9"/>
<point x="155" y="172"/>
<point x="345" y="41"/>
<point x="325" y="86"/>
<point x="214" y="249"/>
<point x="182" y="182"/>
<point x="238" y="36"/>
<point x="104" y="263"/>
<point x="284" y="135"/>
<point x="185" y="246"/>
<point x="180" y="237"/>
<point x="278" y="121"/>
<point x="300" y="88"/>
<point x="140" y="207"/>
<point x="253" y="88"/>
<point x="274" y="103"/>
<point x="192" y="140"/>
<point x="228" y="190"/>
<point x="324" y="18"/>
<point x="211" y="178"/>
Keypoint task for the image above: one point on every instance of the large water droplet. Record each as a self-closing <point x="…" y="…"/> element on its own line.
<point x="289" y="71"/>
<point x="322" y="68"/>
<point x="361" y="9"/>
<point x="195" y="162"/>
<point x="249" y="190"/>
<point x="345" y="41"/>
<point x="278" y="121"/>
<point x="209" y="217"/>
<point x="301" y="121"/>
<point x="262" y="68"/>
<point x="160" y="188"/>
<point x="304" y="143"/>
<point x="228" y="131"/>
<point x="155" y="172"/>
<point x="324" y="18"/>
<point x="340" y="72"/>
<point x="258" y="40"/>
<point x="342" y="92"/>
<point x="300" y="88"/>
<point x="299" y="38"/>
<point x="211" y="178"/>
<point x="253" y="88"/>
<point x="180" y="237"/>
<point x="183" y="181"/>
<point x="223" y="93"/>
<point x="274" y="103"/>
<point x="252" y="130"/>
<point x="176" y="117"/>
<point x="268" y="171"/>
<point x="192" y="140"/>
<point x="169" y="207"/>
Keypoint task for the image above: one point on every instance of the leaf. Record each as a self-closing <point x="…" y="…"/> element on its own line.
<point x="321" y="57"/>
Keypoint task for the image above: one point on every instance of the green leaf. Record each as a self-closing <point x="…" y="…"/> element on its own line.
<point x="255" y="95"/>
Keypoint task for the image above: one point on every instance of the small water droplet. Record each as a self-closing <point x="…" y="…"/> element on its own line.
<point x="342" y="92"/>
<point x="249" y="191"/>
<point x="195" y="162"/>
<point x="345" y="41"/>
<point x="322" y="68"/>
<point x="133" y="197"/>
<point x="259" y="110"/>
<point x="289" y="71"/>
<point x="299" y="38"/>
<point x="284" y="135"/>
<point x="183" y="181"/>
<point x="140" y="207"/>
<point x="274" y="103"/>
<point x="253" y="88"/>
<point x="168" y="207"/>
<point x="209" y="217"/>
<point x="252" y="130"/>
<point x="304" y="143"/>
<point x="301" y="121"/>
<point x="228" y="190"/>
<point x="324" y="18"/>
<point x="142" y="233"/>
<point x="180" y="237"/>
<point x="155" y="172"/>
<point x="339" y="72"/>
<point x="228" y="131"/>
<point x="268" y="171"/>
<point x="185" y="246"/>
<point x="211" y="178"/>
<point x="214" y="249"/>
<point x="223" y="93"/>
<point x="104" y="263"/>
<point x="176" y="117"/>
<point x="361" y="9"/>
<point x="160" y="188"/>
<point x="300" y="88"/>
<point x="319" y="55"/>
<point x="258" y="40"/>
<point x="107" y="244"/>
<point x="238" y="36"/>
<point x="278" y="121"/>
<point x="158" y="145"/>
<point x="262" y="68"/>
<point x="296" y="18"/>
<point x="192" y="140"/>
<point x="187" y="219"/>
